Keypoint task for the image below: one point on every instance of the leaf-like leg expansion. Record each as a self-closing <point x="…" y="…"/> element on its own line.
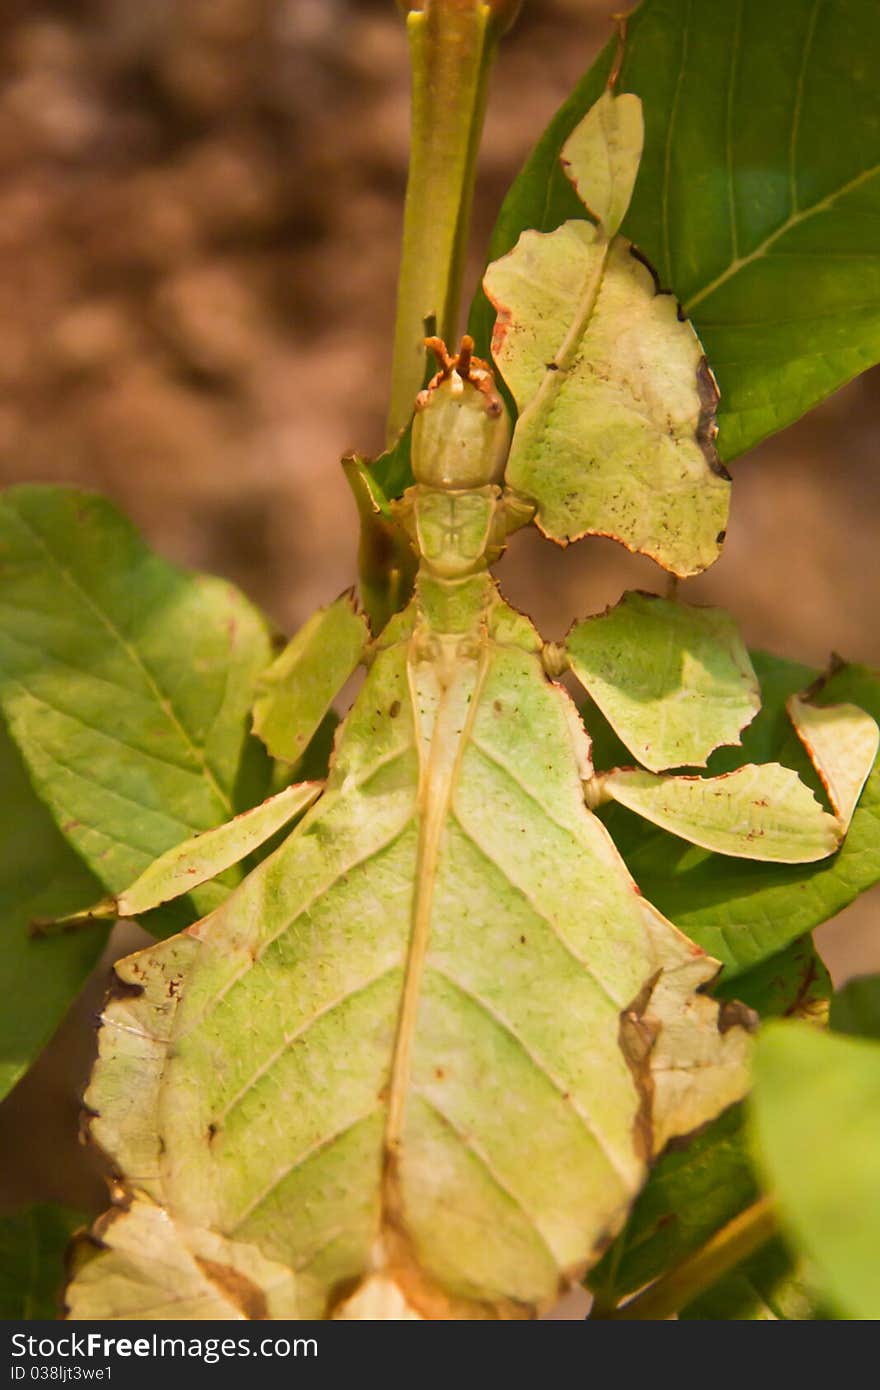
<point x="138" y="1263"/>
<point x="602" y="155"/>
<point x="386" y="561"/>
<point x="842" y="742"/>
<point x="616" y="426"/>
<point x="700" y="1052"/>
<point x="756" y="812"/>
<point x="196" y="860"/>
<point x="300" y="685"/>
<point x="674" y="682"/>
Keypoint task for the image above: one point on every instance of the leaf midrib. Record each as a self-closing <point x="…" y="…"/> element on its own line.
<point x="793" y="220"/>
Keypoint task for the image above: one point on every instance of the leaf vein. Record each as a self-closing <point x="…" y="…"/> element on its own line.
<point x="587" y="1124"/>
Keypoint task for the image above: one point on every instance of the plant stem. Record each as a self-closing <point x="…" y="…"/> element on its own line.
<point x="735" y="1242"/>
<point x="452" y="44"/>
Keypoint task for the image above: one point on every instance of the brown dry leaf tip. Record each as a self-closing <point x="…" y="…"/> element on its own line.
<point x="465" y="365"/>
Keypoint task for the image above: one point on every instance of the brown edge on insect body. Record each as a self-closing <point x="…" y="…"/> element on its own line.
<point x="708" y="391"/>
<point x="637" y="1037"/>
<point x="235" y="1287"/>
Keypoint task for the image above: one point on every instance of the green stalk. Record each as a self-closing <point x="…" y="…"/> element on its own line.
<point x="452" y="45"/>
<point x="734" y="1243"/>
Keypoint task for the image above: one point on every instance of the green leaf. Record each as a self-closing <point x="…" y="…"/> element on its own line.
<point x="816" y="1117"/>
<point x="32" y="1245"/>
<point x="616" y="405"/>
<point x="386" y="563"/>
<point x="39" y="875"/>
<point x="855" y="1009"/>
<point x="296" y="691"/>
<point x="758" y="194"/>
<point x="674" y="681"/>
<point x="758" y="812"/>
<point x="740" y="911"/>
<point x="794" y="983"/>
<point x="690" y="1195"/>
<point x="126" y="684"/>
<point x="392" y="471"/>
<point x="772" y="1286"/>
<point x="332" y="1068"/>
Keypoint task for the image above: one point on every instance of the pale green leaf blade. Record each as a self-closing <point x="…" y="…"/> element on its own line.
<point x="342" y="1076"/>
<point x="39" y="874"/>
<point x="296" y="691"/>
<point x="745" y="911"/>
<point x="855" y="1009"/>
<point x="32" y="1245"/>
<point x="842" y="742"/>
<point x="126" y="684"/>
<point x="757" y="208"/>
<point x="194" y="861"/>
<point x="601" y="158"/>
<point x="674" y="681"/>
<point x="816" y="1116"/>
<point x="756" y="812"/>
<point x="772" y="1286"/>
<point x="616" y="426"/>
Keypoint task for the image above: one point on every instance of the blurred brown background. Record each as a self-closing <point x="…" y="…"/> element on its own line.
<point x="200" y="209"/>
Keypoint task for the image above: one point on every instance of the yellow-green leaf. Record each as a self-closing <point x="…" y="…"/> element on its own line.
<point x="757" y="812"/>
<point x="601" y="157"/>
<point x="298" y="688"/>
<point x="673" y="681"/>
<point x="842" y="742"/>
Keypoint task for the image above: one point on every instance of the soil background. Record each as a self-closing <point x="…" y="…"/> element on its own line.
<point x="200" y="212"/>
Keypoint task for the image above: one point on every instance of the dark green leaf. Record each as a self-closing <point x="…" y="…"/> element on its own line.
<point x="856" y="1008"/>
<point x="393" y="470"/>
<point x="32" y="1245"/>
<point x="758" y="195"/>
<point x="691" y="1194"/>
<point x="792" y="984"/>
<point x="769" y="1287"/>
<point x="40" y="876"/>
